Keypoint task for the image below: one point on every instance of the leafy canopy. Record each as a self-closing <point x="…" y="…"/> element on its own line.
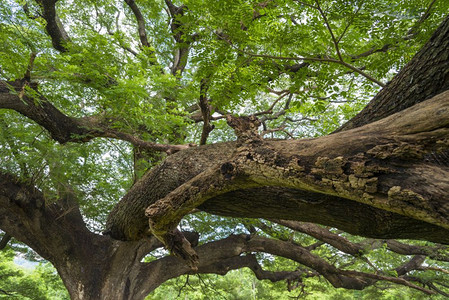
<point x="306" y="65"/>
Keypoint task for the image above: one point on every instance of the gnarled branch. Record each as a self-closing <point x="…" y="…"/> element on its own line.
<point x="63" y="128"/>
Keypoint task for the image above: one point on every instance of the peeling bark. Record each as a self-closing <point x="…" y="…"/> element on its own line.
<point x="388" y="166"/>
<point x="387" y="179"/>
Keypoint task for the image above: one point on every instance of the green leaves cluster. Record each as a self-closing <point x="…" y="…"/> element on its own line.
<point x="247" y="51"/>
<point x="40" y="283"/>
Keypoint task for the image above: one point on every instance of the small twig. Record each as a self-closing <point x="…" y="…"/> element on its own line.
<point x="318" y="59"/>
<point x="111" y="33"/>
<point x="6" y="293"/>
<point x="270" y="109"/>
<point x="421" y="268"/>
<point x="185" y="284"/>
<point x="410" y="34"/>
<point x="413" y="31"/>
<point x="27" y="75"/>
<point x="349" y="23"/>
<point x="396" y="280"/>
<point x="326" y="21"/>
<point x="306" y="4"/>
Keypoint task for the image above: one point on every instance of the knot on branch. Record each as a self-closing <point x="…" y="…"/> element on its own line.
<point x="228" y="170"/>
<point x="245" y="128"/>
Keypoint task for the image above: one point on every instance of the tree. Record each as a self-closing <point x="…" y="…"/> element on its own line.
<point x="107" y="98"/>
<point x="41" y="283"/>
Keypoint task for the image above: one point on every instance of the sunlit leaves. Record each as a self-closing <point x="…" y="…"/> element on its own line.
<point x="21" y="283"/>
<point x="250" y="53"/>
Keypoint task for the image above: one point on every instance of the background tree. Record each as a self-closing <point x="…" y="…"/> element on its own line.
<point x="106" y="100"/>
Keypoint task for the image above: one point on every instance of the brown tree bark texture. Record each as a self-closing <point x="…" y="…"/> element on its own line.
<point x="392" y="173"/>
<point x="425" y="76"/>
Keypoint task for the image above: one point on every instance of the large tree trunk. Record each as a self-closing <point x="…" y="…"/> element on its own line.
<point x="388" y="179"/>
<point x="91" y="266"/>
<point x="392" y="173"/>
<point x="96" y="267"/>
<point x="425" y="76"/>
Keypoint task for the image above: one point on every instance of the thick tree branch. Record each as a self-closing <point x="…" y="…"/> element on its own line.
<point x="221" y="256"/>
<point x="437" y="252"/>
<point x="256" y="164"/>
<point x="412" y="264"/>
<point x="55" y="30"/>
<point x="62" y="128"/>
<point x="324" y="235"/>
<point x="425" y="76"/>
<point x="142" y="32"/>
<point x="22" y="206"/>
<point x="314" y="177"/>
<point x="140" y="22"/>
<point x="182" y="43"/>
<point x="205" y="112"/>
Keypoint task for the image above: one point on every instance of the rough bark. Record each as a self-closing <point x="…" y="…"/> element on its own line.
<point x="127" y="220"/>
<point x="424" y="77"/>
<point x="63" y="128"/>
<point x="98" y="267"/>
<point x="393" y="174"/>
<point x="387" y="179"/>
<point x="53" y="26"/>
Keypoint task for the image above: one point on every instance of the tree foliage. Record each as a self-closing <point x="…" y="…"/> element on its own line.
<point x="95" y="95"/>
<point x="20" y="283"/>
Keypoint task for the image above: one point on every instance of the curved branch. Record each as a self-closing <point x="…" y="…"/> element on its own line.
<point x="324" y="235"/>
<point x="437" y="252"/>
<point x="142" y="32"/>
<point x="62" y="128"/>
<point x="224" y="255"/>
<point x="140" y="22"/>
<point x="55" y="30"/>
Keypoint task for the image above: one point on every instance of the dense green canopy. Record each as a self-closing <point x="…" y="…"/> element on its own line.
<point x="108" y="89"/>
